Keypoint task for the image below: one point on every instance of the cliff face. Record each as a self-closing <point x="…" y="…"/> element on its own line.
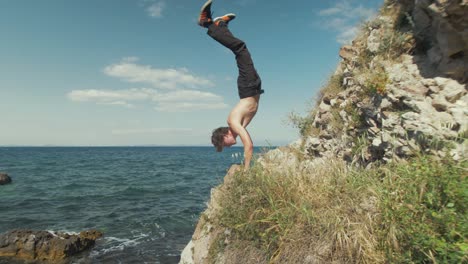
<point x="399" y="92"/>
<point x="441" y="28"/>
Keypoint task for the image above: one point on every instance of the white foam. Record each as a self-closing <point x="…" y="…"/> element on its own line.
<point x="119" y="244"/>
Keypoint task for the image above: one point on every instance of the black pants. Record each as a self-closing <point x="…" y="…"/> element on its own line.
<point x="248" y="81"/>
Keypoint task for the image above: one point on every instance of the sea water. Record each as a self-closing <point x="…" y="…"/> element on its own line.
<point x="146" y="200"/>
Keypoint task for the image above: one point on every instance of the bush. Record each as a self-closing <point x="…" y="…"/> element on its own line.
<point x="377" y="82"/>
<point x="304" y="124"/>
<point x="424" y="212"/>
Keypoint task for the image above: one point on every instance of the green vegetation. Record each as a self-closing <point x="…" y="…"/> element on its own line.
<point x="424" y="215"/>
<point x="304" y="124"/>
<point x="377" y="82"/>
<point x="411" y="212"/>
<point x="287" y="215"/>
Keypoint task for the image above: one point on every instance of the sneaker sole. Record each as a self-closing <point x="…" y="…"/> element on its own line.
<point x="206" y="4"/>
<point x="230" y="15"/>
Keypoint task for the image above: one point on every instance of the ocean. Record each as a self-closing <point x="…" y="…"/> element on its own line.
<point x="146" y="200"/>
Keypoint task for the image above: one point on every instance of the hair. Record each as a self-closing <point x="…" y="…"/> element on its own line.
<point x="217" y="138"/>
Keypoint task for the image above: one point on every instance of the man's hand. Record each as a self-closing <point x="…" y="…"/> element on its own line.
<point x="246" y="140"/>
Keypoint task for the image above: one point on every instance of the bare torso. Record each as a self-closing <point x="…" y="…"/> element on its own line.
<point x="244" y="111"/>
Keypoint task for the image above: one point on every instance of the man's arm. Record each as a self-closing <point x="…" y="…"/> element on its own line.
<point x="246" y="140"/>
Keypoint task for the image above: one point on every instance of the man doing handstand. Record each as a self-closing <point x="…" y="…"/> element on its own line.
<point x="248" y="84"/>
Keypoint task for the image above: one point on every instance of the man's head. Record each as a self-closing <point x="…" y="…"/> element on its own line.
<point x="222" y="137"/>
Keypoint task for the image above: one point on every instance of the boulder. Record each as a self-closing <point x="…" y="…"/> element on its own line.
<point x="45" y="245"/>
<point x="4" y="179"/>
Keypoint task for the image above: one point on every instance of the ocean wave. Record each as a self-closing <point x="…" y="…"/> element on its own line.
<point x="112" y="244"/>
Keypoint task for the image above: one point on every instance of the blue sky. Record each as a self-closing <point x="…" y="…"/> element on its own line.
<point x="142" y="72"/>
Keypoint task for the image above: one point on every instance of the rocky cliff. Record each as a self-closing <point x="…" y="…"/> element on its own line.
<point x="398" y="94"/>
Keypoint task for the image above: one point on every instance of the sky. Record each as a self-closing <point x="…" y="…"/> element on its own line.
<point x="142" y="72"/>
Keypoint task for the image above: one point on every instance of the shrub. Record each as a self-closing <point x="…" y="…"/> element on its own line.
<point x="377" y="82"/>
<point x="424" y="212"/>
<point x="304" y="124"/>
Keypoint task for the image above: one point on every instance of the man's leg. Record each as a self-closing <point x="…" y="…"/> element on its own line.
<point x="248" y="76"/>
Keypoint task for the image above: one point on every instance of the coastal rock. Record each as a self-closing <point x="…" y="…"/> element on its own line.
<point x="4" y="179"/>
<point x="196" y="252"/>
<point x="45" y="246"/>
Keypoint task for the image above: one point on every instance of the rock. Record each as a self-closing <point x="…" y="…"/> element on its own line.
<point x="429" y="82"/>
<point x="312" y="141"/>
<point x="4" y="179"/>
<point x="347" y="53"/>
<point x="419" y="90"/>
<point x="373" y="41"/>
<point x="45" y="245"/>
<point x="453" y="91"/>
<point x="296" y="144"/>
<point x="434" y="89"/>
<point x="323" y="108"/>
<point x="385" y="104"/>
<point x="442" y="25"/>
<point x="377" y="142"/>
<point x="459" y="112"/>
<point x="449" y="40"/>
<point x="440" y="103"/>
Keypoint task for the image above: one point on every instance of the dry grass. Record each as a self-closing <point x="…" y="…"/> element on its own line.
<point x="325" y="215"/>
<point x="412" y="212"/>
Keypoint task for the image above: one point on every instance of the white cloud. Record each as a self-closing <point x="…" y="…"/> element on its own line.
<point x="129" y="71"/>
<point x="107" y="95"/>
<point x="172" y="101"/>
<point x="173" y="90"/>
<point x="188" y="106"/>
<point x="119" y="103"/>
<point x="156" y="9"/>
<point x="134" y="131"/>
<point x="343" y="18"/>
<point x="186" y="95"/>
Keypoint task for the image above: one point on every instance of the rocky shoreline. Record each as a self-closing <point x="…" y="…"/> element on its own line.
<point x="45" y="246"/>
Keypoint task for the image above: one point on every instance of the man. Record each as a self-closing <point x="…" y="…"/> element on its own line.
<point x="248" y="84"/>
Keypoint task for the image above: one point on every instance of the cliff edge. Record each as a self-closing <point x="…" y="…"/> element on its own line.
<point x="379" y="172"/>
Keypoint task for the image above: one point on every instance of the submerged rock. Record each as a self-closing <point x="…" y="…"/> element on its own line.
<point x="4" y="179"/>
<point x="45" y="245"/>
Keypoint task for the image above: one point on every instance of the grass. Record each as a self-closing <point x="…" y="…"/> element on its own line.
<point x="412" y="212"/>
<point x="424" y="216"/>
<point x="303" y="124"/>
<point x="287" y="215"/>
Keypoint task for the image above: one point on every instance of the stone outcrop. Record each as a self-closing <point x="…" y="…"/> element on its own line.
<point x="205" y="234"/>
<point x="415" y="114"/>
<point x="4" y="179"/>
<point x="441" y="27"/>
<point x="45" y="246"/>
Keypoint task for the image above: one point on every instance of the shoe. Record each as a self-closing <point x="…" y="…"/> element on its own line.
<point x="205" y="19"/>
<point x="226" y="19"/>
